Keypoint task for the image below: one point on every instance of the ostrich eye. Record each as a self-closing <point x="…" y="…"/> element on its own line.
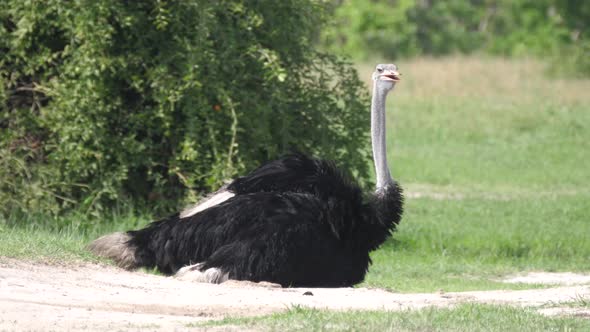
<point x="379" y="69"/>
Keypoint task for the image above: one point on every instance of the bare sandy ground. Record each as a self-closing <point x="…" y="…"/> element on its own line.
<point x="554" y="278"/>
<point x="102" y="298"/>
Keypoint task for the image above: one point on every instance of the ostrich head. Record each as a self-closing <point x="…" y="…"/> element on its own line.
<point x="385" y="76"/>
<point x="384" y="79"/>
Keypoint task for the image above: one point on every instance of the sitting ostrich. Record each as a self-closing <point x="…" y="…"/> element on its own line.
<point x="295" y="221"/>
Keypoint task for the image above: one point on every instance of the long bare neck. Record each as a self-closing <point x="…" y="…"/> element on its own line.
<point x="378" y="137"/>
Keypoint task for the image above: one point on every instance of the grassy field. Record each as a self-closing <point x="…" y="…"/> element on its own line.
<point x="466" y="317"/>
<point x="37" y="239"/>
<point x="493" y="155"/>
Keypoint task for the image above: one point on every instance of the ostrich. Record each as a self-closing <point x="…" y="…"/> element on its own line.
<point x="295" y="221"/>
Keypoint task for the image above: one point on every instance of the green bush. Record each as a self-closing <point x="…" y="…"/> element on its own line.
<point x="153" y="102"/>
<point x="366" y="29"/>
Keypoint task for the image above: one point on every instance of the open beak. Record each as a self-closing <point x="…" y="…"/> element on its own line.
<point x="391" y="75"/>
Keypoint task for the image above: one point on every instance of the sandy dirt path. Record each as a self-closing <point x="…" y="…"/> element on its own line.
<point x="102" y="298"/>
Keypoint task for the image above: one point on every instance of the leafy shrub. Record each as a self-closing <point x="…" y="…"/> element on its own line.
<point x="154" y="102"/>
<point x="386" y="28"/>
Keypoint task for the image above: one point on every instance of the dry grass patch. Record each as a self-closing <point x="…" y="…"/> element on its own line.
<point x="519" y="80"/>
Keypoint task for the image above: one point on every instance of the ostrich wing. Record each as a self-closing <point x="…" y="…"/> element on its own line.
<point x="292" y="173"/>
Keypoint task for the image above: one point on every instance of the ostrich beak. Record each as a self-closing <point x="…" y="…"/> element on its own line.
<point x="391" y="75"/>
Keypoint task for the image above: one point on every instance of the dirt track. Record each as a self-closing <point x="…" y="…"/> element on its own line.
<point x="101" y="298"/>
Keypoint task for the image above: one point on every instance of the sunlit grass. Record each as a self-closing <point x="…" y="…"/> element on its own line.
<point x="483" y="78"/>
<point x="45" y="239"/>
<point x="467" y="244"/>
<point x="492" y="154"/>
<point x="465" y="317"/>
<point x="453" y="123"/>
<point x="577" y="302"/>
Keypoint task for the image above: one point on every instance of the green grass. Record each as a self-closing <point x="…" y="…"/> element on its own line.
<point x="495" y="170"/>
<point x="578" y="302"/>
<point x="466" y="317"/>
<point x="41" y="244"/>
<point x="465" y="244"/>
<point x="500" y="166"/>
<point x="491" y="147"/>
<point x="62" y="239"/>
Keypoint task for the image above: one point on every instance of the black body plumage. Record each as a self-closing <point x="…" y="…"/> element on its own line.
<point x="295" y="221"/>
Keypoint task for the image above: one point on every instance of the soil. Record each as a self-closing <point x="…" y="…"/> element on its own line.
<point x="91" y="297"/>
